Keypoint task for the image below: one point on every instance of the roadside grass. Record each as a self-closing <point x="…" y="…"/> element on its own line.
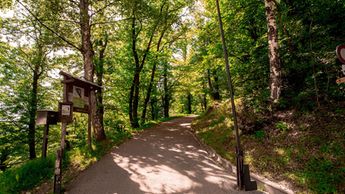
<point x="36" y="176"/>
<point x="304" y="149"/>
<point x="26" y="176"/>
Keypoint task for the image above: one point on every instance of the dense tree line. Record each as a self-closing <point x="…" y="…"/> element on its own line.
<point x="154" y="58"/>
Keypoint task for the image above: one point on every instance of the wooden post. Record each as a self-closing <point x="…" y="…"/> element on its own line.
<point x="89" y="115"/>
<point x="74" y="94"/>
<point x="60" y="152"/>
<point x="45" y="141"/>
<point x="57" y="172"/>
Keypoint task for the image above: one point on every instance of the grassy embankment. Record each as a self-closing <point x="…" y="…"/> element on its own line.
<point x="305" y="149"/>
<point x="39" y="172"/>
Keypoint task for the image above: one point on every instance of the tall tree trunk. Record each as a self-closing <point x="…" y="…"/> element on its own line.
<point x="136" y="83"/>
<point x="154" y="110"/>
<point x="166" y="96"/>
<point x="273" y="47"/>
<point x="216" y="94"/>
<point x="189" y="103"/>
<point x="99" y="75"/>
<point x="134" y="91"/>
<point x="148" y="94"/>
<point x="204" y="97"/>
<point x="209" y="81"/>
<point x="139" y="64"/>
<point x="153" y="71"/>
<point x="214" y="89"/>
<point x="32" y="113"/>
<point x="88" y="55"/>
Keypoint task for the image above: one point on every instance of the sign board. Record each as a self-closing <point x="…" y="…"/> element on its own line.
<point x="341" y="53"/>
<point x="45" y="117"/>
<point x="66" y="112"/>
<point x="79" y="96"/>
<point x="78" y="92"/>
<point x="341" y="80"/>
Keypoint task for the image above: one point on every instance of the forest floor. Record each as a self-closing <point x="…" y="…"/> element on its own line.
<point x="163" y="159"/>
<point x="303" y="150"/>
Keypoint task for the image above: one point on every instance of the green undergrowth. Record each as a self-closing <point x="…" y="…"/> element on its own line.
<point x="305" y="149"/>
<point x="77" y="158"/>
<point x="27" y="175"/>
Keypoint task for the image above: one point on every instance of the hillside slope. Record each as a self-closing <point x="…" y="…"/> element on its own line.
<point x="304" y="149"/>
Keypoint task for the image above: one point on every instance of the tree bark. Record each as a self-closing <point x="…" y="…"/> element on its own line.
<point x="134" y="91"/>
<point x="148" y="94"/>
<point x="88" y="55"/>
<point x="204" y="97"/>
<point x="32" y="112"/>
<point x="166" y="96"/>
<point x="214" y="88"/>
<point x="154" y="111"/>
<point x="189" y="103"/>
<point x="139" y="64"/>
<point x="99" y="75"/>
<point x="216" y="94"/>
<point x="153" y="71"/>
<point x="273" y="48"/>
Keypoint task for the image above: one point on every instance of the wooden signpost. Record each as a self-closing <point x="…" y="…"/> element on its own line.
<point x="340" y="51"/>
<point x="76" y="98"/>
<point x="46" y="117"/>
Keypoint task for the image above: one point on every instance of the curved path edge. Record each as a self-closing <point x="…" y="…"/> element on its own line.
<point x="268" y="185"/>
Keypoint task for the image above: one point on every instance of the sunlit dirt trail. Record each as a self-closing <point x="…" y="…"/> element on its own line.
<point x="162" y="159"/>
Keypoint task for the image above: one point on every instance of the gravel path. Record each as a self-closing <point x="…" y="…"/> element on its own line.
<point x="162" y="159"/>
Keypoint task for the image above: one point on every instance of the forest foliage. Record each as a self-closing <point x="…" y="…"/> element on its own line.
<point x="158" y="58"/>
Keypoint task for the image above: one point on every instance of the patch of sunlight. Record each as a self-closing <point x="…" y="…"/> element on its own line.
<point x="214" y="179"/>
<point x="228" y="122"/>
<point x="296" y="178"/>
<point x="211" y="165"/>
<point x="249" y="159"/>
<point x="192" y="153"/>
<point x="190" y="173"/>
<point x="172" y="129"/>
<point x="185" y="124"/>
<point x="156" y="178"/>
<point x="280" y="151"/>
<point x="266" y="174"/>
<point x="291" y="176"/>
<point x="79" y="159"/>
<point x="175" y="150"/>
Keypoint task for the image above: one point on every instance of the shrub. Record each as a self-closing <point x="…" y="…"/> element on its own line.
<point x="323" y="176"/>
<point x="282" y="126"/>
<point x="26" y="176"/>
<point x="259" y="134"/>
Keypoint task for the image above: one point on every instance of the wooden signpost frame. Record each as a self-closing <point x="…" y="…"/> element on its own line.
<point x="77" y="95"/>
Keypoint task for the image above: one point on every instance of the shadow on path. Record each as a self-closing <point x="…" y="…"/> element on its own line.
<point x="163" y="159"/>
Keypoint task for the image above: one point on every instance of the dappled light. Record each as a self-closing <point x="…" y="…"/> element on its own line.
<point x="159" y="160"/>
<point x="262" y="80"/>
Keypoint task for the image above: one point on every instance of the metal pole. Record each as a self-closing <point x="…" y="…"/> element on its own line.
<point x="239" y="153"/>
